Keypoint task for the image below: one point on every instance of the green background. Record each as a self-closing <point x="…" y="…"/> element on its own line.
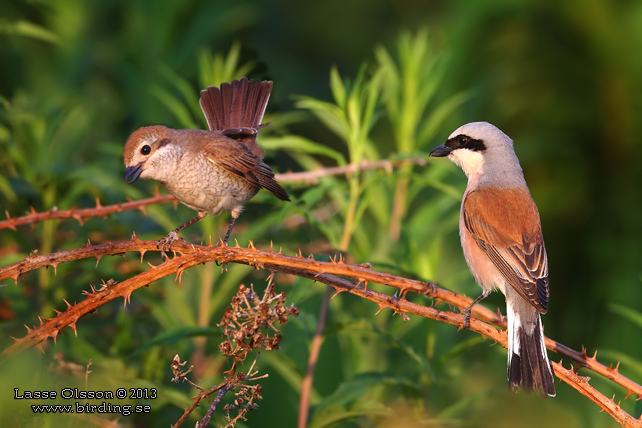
<point x="562" y="78"/>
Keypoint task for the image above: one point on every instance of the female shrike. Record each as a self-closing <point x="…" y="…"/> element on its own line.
<point x="501" y="236"/>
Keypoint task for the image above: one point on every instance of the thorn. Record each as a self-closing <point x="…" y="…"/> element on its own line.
<point x="68" y="305"/>
<point x="11" y="226"/>
<point x="39" y="346"/>
<point x="280" y="251"/>
<point x="55" y="266"/>
<point x="336" y="293"/>
<point x="271" y="248"/>
<point x="251" y="245"/>
<point x="142" y="209"/>
<point x="179" y="273"/>
<point x="79" y="218"/>
<point x="58" y="313"/>
<point x="41" y="323"/>
<point x="127" y="298"/>
<point x="142" y="253"/>
<point x="15" y="279"/>
<point x="311" y="257"/>
<point x="54" y="336"/>
<point x="235" y="240"/>
<point x="98" y="259"/>
<point x="151" y="265"/>
<point x="73" y="325"/>
<point x="28" y="329"/>
<point x="381" y="308"/>
<point x="210" y="240"/>
<point x="98" y="203"/>
<point x="33" y="210"/>
<point x="91" y="293"/>
<point x="134" y="237"/>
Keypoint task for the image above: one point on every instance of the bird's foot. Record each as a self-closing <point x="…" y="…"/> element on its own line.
<point x="165" y="244"/>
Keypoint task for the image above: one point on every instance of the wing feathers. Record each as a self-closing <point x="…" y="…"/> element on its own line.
<point x="238" y="160"/>
<point x="505" y="224"/>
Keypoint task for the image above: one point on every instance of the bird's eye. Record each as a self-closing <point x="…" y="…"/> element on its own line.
<point x="463" y="139"/>
<point x="145" y="150"/>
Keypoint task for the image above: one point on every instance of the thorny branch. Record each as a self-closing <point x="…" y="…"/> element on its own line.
<point x="313" y="176"/>
<point x="84" y="213"/>
<point x="101" y="211"/>
<point x="326" y="272"/>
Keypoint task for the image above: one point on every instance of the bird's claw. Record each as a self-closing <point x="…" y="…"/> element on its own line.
<point x="165" y="244"/>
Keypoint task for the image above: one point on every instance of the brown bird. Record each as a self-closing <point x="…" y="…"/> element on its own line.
<point x="209" y="171"/>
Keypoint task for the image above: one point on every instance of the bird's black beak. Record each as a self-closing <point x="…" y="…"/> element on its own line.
<point x="133" y="172"/>
<point x="441" y="151"/>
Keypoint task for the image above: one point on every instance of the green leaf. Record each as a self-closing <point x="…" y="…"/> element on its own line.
<point x="354" y="388"/>
<point x="174" y="105"/>
<point x="630" y="314"/>
<point x="28" y="29"/>
<point x="301" y="144"/>
<point x="178" y="334"/>
<point x="331" y="417"/>
<point x="338" y="87"/>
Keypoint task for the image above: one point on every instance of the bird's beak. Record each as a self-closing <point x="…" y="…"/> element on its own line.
<point x="133" y="172"/>
<point x="440" y="152"/>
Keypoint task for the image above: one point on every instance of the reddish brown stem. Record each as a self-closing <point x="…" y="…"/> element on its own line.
<point x="325" y="272"/>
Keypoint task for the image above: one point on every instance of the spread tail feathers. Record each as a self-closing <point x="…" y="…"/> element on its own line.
<point x="237" y="105"/>
<point x="528" y="364"/>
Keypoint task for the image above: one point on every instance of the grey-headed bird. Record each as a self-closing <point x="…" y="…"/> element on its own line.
<point x="501" y="236"/>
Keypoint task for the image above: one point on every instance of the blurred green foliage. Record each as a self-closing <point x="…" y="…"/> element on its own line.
<point x="353" y="80"/>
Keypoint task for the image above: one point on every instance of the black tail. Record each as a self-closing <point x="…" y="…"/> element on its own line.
<point x="528" y="365"/>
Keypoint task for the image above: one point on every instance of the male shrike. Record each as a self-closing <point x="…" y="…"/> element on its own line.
<point x="501" y="236"/>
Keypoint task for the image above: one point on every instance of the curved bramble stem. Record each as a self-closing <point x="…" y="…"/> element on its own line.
<point x="332" y="273"/>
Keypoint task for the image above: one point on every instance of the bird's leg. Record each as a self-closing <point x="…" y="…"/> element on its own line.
<point x="467" y="312"/>
<point x="166" y="242"/>
<point x="229" y="230"/>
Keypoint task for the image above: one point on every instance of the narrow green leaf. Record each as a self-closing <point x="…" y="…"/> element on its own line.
<point x="28" y="29"/>
<point x="178" y="334"/>
<point x="301" y="144"/>
<point x="630" y="314"/>
<point x="175" y="106"/>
